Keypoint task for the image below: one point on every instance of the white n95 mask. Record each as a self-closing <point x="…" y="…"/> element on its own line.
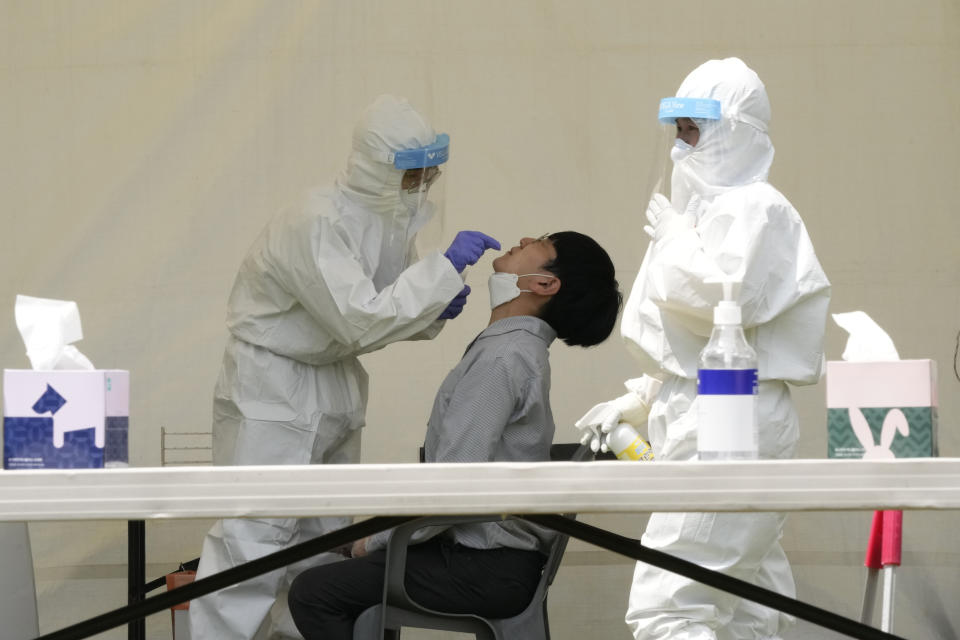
<point x="503" y="286"/>
<point x="680" y="150"/>
<point x="413" y="199"/>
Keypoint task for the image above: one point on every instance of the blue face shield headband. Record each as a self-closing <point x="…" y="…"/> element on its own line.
<point x="693" y="108"/>
<point x="428" y="156"/>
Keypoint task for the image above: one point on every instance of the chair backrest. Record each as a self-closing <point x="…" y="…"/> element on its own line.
<point x="532" y="623"/>
<point x="552" y="565"/>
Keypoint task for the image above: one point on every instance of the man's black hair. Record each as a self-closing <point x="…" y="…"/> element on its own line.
<point x="584" y="311"/>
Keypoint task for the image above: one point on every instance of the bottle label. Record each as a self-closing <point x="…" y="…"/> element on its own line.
<point x="726" y="382"/>
<point x="639" y="449"/>
<point x="727" y="423"/>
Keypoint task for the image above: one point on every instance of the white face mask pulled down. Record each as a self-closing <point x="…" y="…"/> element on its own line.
<point x="503" y="286"/>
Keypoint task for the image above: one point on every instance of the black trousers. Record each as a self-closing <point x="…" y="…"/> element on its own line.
<point x="495" y="583"/>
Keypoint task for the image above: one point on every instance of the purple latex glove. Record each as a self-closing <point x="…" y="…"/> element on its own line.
<point x="456" y="305"/>
<point x="467" y="248"/>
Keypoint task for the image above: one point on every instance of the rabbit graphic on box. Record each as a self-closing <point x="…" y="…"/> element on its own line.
<point x="893" y="423"/>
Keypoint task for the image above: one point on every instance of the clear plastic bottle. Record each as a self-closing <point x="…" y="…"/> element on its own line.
<point x="627" y="444"/>
<point x="727" y="388"/>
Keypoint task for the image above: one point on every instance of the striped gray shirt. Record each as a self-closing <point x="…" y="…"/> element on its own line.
<point x="494" y="407"/>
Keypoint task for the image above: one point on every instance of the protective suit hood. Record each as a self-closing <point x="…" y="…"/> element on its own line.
<point x="370" y="186"/>
<point x="388" y="125"/>
<point x="734" y="150"/>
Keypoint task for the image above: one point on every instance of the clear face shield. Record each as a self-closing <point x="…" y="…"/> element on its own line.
<point x="688" y="142"/>
<point x="422" y="191"/>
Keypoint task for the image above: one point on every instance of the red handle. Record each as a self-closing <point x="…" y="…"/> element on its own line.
<point x="875" y="542"/>
<point x="892" y="537"/>
<point x="886" y="537"/>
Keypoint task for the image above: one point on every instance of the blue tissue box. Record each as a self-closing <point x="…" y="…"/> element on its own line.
<point x="65" y="419"/>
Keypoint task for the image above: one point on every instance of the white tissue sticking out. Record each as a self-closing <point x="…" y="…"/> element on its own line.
<point x="48" y="328"/>
<point x="867" y="341"/>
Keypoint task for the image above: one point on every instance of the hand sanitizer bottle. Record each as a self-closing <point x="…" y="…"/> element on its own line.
<point x="627" y="444"/>
<point x="727" y="387"/>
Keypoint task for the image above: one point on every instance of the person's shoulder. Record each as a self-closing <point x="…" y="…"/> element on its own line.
<point x="313" y="202"/>
<point x="760" y="191"/>
<point x="310" y="211"/>
<point x="761" y="201"/>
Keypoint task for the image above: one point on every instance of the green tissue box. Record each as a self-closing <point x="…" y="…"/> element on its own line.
<point x="878" y="410"/>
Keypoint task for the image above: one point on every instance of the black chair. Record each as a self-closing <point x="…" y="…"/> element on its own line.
<point x="397" y="610"/>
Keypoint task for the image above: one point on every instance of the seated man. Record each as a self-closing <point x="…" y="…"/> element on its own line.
<point x="493" y="406"/>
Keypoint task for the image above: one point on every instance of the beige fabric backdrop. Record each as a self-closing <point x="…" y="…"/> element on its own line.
<point x="146" y="143"/>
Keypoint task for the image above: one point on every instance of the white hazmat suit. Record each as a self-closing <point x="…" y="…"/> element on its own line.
<point x="736" y="224"/>
<point x="326" y="281"/>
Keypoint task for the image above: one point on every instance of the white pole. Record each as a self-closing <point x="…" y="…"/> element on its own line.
<point x="869" y="596"/>
<point x="886" y="621"/>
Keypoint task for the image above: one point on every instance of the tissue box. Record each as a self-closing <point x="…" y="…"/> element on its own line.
<point x="881" y="410"/>
<point x="65" y="419"/>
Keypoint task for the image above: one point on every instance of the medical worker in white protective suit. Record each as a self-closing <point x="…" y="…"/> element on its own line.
<point x="329" y="279"/>
<point x="723" y="219"/>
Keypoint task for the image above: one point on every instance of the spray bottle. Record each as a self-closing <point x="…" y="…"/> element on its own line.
<point x="727" y="386"/>
<point x="609" y="426"/>
<point x="627" y="444"/>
